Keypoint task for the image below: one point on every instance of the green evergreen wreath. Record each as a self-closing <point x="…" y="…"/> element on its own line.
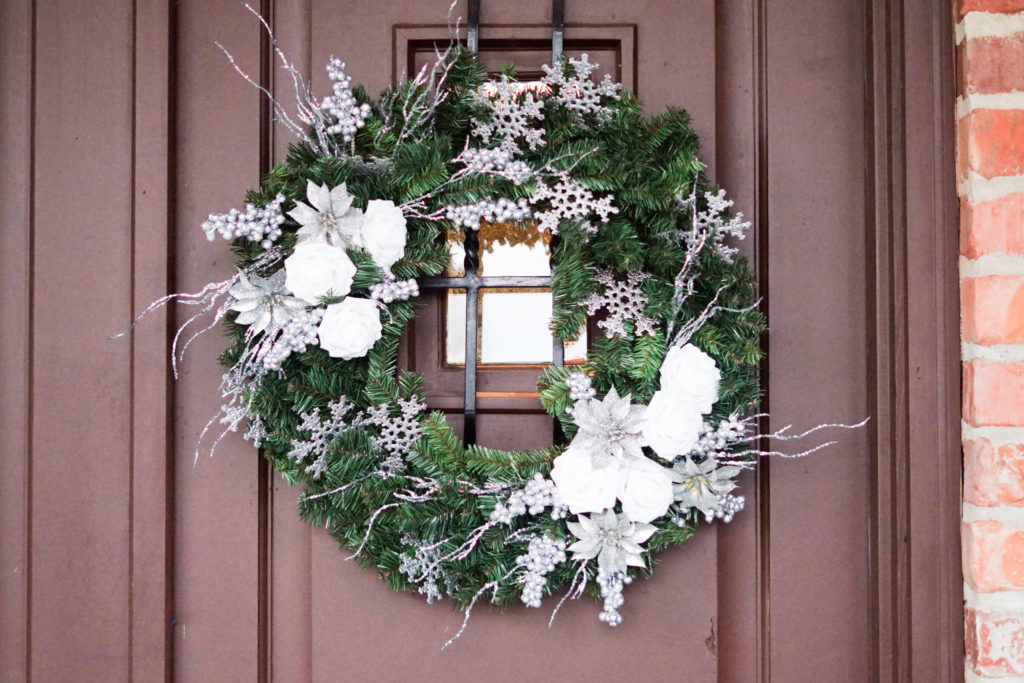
<point x="329" y="250"/>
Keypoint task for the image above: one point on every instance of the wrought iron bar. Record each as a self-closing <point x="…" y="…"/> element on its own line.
<point x="473" y="27"/>
<point x="557" y="29"/>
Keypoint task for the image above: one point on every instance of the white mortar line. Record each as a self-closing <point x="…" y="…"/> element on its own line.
<point x="965" y="104"/>
<point x="988" y="24"/>
<point x="992" y="264"/>
<point x="1007" y="353"/>
<point x="1005" y="514"/>
<point x="998" y="436"/>
<point x="977" y="188"/>
<point x="998" y="601"/>
<point x="971" y="677"/>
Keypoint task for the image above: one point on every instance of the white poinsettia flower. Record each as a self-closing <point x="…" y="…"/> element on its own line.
<point x="331" y="218"/>
<point x="613" y="539"/>
<point x="702" y="485"/>
<point x="263" y="303"/>
<point x="610" y="429"/>
<point x="384" y="233"/>
<point x="691" y="376"/>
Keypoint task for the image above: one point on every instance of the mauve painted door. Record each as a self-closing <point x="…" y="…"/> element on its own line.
<point x="123" y="556"/>
<point x="324" y="619"/>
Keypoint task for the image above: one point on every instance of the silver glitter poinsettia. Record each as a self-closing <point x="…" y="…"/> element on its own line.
<point x="262" y="302"/>
<point x="609" y="429"/>
<point x="331" y="219"/>
<point x="703" y="485"/>
<point x="613" y="539"/>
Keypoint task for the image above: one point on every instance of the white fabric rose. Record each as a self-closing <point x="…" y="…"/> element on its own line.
<point x="384" y="232"/>
<point x="350" y="329"/>
<point x="646" y="491"/>
<point x="671" y="424"/>
<point x="317" y="269"/>
<point x="580" y="486"/>
<point x="689" y="372"/>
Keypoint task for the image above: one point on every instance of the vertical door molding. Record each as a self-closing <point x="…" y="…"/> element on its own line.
<point x="917" y="616"/>
<point x="152" y="475"/>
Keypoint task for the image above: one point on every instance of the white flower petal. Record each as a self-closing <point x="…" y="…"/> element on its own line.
<point x="304" y="214"/>
<point x="319" y="196"/>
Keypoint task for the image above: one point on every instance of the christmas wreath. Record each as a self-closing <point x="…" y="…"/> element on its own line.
<point x="657" y="419"/>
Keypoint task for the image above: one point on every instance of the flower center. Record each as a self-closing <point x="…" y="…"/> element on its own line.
<point x="328" y="220"/>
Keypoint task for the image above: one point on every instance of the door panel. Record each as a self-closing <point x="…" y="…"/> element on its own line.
<point x="790" y="589"/>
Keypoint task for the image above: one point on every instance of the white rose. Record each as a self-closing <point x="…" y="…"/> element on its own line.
<point x="350" y="329"/>
<point x="580" y="486"/>
<point x="317" y="269"/>
<point x="384" y="232"/>
<point x="646" y="490"/>
<point x="690" y="371"/>
<point x="672" y="424"/>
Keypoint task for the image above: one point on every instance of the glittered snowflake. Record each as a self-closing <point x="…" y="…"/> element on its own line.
<point x="713" y="225"/>
<point x="623" y="300"/>
<point x="323" y="431"/>
<point x="577" y="91"/>
<point x="513" y="112"/>
<point x="422" y="564"/>
<point x="569" y="200"/>
<point x="399" y="433"/>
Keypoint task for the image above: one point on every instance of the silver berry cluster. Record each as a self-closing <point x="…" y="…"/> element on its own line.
<point x="323" y="431"/>
<point x="718" y="439"/>
<point x="535" y="497"/>
<point x="544" y="554"/>
<point x="299" y="332"/>
<point x="390" y="290"/>
<point x="577" y="92"/>
<point x="611" y="590"/>
<point x="568" y="200"/>
<point x="495" y="211"/>
<point x="580" y="386"/>
<point x="348" y="114"/>
<point x="624" y="300"/>
<point x="728" y="506"/>
<point x="255" y="224"/>
<point x="495" y="161"/>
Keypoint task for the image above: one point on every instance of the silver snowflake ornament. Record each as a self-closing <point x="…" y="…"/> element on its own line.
<point x="331" y="218"/>
<point x="398" y="434"/>
<point x="513" y="110"/>
<point x="610" y="429"/>
<point x="577" y="91"/>
<point x="613" y="539"/>
<point x="568" y="200"/>
<point x="623" y="300"/>
<point x="323" y="431"/>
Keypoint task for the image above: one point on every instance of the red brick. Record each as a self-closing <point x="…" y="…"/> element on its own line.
<point x="994" y="643"/>
<point x="993" y="556"/>
<point x="992" y="309"/>
<point x="993" y="475"/>
<point x="965" y="6"/>
<point x="993" y="393"/>
<point x="993" y="64"/>
<point x="992" y="227"/>
<point x="992" y="142"/>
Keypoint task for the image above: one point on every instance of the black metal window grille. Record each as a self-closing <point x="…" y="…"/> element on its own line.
<point x="472" y="282"/>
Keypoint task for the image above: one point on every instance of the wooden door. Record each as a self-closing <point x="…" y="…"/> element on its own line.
<point x="829" y="123"/>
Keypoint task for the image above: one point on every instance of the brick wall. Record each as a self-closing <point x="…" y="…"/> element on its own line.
<point x="990" y="164"/>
